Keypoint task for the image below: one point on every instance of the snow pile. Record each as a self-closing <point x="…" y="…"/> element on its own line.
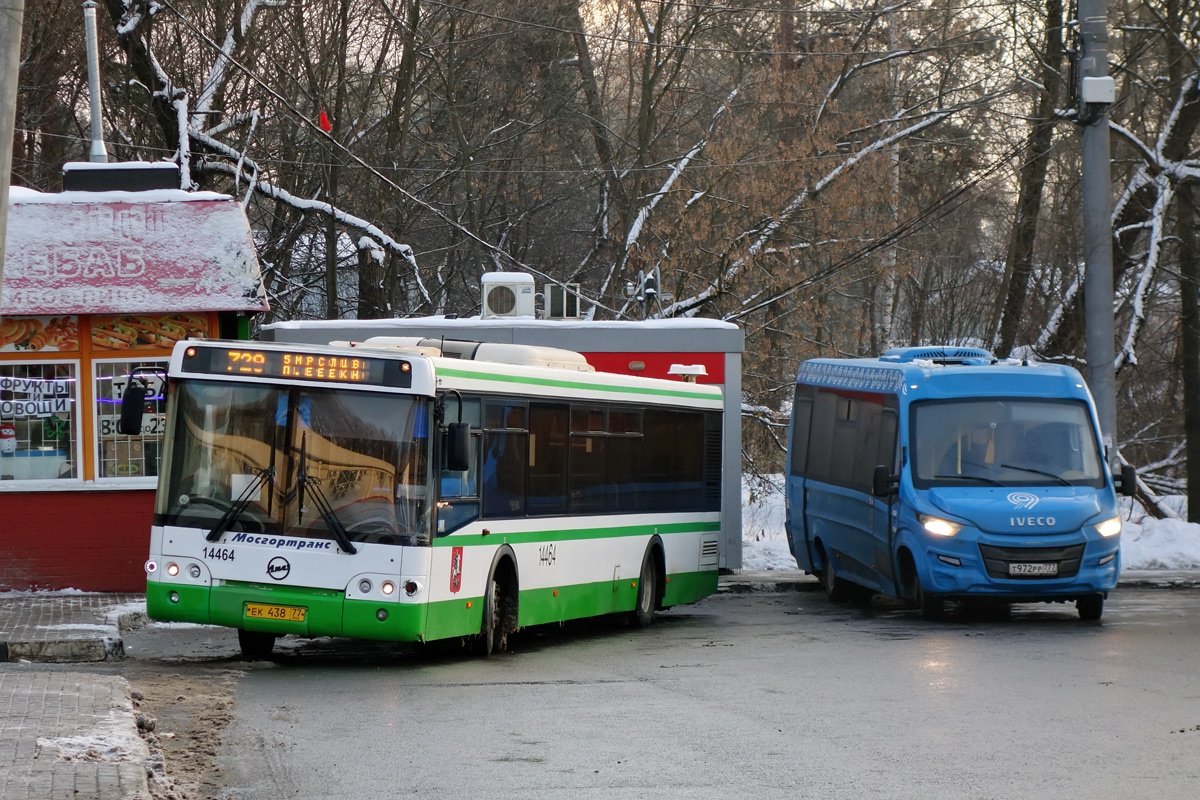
<point x="1146" y="543"/>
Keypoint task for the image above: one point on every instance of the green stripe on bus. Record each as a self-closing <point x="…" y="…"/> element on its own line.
<point x="451" y="372"/>
<point x="328" y="613"/>
<point x="464" y="616"/>
<point x="573" y="534"/>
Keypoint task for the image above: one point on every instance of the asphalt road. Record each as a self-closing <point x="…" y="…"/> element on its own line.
<point x="743" y="695"/>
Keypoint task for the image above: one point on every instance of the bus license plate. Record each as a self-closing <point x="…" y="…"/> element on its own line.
<point x="1039" y="569"/>
<point x="266" y="611"/>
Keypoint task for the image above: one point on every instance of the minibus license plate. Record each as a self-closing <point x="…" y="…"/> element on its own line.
<point x="266" y="611"/>
<point x="1041" y="568"/>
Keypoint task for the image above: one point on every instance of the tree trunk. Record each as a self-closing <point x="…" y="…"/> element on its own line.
<point x="1189" y="318"/>
<point x="1018" y="263"/>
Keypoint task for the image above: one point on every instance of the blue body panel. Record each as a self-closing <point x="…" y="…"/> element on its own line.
<point x="1013" y="523"/>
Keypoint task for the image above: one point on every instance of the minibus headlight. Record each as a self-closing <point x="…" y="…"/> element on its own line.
<point x="1110" y="527"/>
<point x="938" y="526"/>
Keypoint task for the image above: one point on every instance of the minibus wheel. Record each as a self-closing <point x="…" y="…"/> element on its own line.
<point x="932" y="605"/>
<point x="835" y="588"/>
<point x="256" y="645"/>
<point x="1090" y="606"/>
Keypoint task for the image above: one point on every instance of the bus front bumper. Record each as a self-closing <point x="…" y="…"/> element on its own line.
<point x="285" y="610"/>
<point x="998" y="567"/>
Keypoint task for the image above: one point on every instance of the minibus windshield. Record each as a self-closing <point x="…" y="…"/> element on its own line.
<point x="1004" y="441"/>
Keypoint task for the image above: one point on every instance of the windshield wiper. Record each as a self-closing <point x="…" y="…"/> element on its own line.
<point x="983" y="478"/>
<point x="331" y="519"/>
<point x="237" y="507"/>
<point x="961" y="477"/>
<point x="1058" y="478"/>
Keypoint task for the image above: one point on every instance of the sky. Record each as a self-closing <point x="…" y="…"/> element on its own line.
<point x="1146" y="543"/>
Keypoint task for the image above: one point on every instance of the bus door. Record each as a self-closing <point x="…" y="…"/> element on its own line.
<point x="839" y="507"/>
<point x="881" y="514"/>
<point x="794" y="489"/>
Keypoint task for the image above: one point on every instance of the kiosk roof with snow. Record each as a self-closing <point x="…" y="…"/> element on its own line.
<point x="118" y="252"/>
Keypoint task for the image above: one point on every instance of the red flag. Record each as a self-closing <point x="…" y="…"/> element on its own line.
<point x="324" y="122"/>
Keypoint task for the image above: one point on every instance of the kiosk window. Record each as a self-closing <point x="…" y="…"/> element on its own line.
<point x="119" y="455"/>
<point x="38" y="425"/>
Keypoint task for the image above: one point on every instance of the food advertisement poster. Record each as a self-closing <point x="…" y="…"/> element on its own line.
<point x="141" y="331"/>
<point x="39" y="334"/>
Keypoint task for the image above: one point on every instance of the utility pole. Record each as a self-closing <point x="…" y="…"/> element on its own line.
<point x="1096" y="93"/>
<point x="12" y="13"/>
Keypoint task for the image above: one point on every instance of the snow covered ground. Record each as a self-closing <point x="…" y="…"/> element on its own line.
<point x="1146" y="543"/>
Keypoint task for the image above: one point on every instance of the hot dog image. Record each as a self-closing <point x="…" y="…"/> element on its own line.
<point x="135" y="330"/>
<point x="113" y="333"/>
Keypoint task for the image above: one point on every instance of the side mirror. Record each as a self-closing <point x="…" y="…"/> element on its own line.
<point x="1127" y="481"/>
<point x="133" y="402"/>
<point x="883" y="484"/>
<point x="458" y="447"/>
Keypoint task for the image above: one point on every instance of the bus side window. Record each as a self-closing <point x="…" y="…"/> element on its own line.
<point x="503" y="473"/>
<point x="889" y="426"/>
<point x="801" y="419"/>
<point x="820" y="443"/>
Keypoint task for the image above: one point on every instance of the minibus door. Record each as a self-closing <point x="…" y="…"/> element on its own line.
<point x="882" y="529"/>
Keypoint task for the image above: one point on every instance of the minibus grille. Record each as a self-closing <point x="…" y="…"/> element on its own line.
<point x="997" y="560"/>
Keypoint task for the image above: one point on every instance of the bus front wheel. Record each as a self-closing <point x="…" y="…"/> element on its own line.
<point x="499" y="615"/>
<point x="1090" y="607"/>
<point x="256" y="645"/>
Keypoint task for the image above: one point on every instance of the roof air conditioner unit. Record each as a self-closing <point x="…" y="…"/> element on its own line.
<point x="562" y="300"/>
<point x="507" y="294"/>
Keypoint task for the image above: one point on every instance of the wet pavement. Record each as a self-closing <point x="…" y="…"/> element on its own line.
<point x="67" y="732"/>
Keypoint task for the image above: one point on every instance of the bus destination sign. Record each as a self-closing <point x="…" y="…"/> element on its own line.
<point x="298" y="365"/>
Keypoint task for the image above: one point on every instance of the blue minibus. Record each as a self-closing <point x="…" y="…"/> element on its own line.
<point x="941" y="473"/>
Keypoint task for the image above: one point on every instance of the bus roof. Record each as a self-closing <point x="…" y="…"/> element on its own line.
<point x="440" y="372"/>
<point x="942" y="372"/>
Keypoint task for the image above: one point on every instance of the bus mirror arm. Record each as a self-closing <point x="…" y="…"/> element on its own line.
<point x="1127" y="480"/>
<point x="884" y="484"/>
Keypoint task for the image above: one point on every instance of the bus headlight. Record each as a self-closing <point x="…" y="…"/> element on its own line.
<point x="1110" y="527"/>
<point x="938" y="526"/>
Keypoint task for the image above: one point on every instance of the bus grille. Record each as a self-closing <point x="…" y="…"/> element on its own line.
<point x="997" y="559"/>
<point x="710" y="550"/>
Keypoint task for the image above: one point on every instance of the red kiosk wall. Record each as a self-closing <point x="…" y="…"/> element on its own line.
<point x="91" y="541"/>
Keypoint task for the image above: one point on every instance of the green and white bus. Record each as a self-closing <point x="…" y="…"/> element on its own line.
<point x="417" y="491"/>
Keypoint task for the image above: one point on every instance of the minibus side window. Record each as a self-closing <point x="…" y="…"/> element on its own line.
<point x="801" y="419"/>
<point x="820" y="441"/>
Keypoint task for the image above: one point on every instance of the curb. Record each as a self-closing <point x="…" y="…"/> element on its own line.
<point x="75" y="650"/>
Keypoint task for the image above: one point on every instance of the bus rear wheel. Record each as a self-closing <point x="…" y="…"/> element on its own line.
<point x="1090" y="606"/>
<point x="647" y="593"/>
<point x="256" y="645"/>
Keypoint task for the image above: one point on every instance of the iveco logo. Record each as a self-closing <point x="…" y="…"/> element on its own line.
<point x="1023" y="499"/>
<point x="278" y="568"/>
<point x="1030" y="522"/>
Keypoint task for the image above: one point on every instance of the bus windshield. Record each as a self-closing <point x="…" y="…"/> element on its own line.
<point x="297" y="461"/>
<point x="1005" y="442"/>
